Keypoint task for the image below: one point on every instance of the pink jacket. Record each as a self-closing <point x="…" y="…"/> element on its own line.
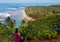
<point x="16" y="37"/>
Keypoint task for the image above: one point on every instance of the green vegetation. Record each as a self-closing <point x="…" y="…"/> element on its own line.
<point x="46" y="24"/>
<point x="47" y="34"/>
<point x="36" y="11"/>
<point x="7" y="30"/>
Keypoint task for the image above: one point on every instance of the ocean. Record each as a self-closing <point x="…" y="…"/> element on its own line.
<point x="14" y="11"/>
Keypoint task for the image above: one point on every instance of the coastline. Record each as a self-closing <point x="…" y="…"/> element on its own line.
<point x="27" y="18"/>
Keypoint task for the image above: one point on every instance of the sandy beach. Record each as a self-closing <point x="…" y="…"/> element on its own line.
<point x="27" y="17"/>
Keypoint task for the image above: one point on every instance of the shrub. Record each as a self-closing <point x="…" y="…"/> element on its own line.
<point x="35" y="30"/>
<point x="29" y="36"/>
<point x="54" y="34"/>
<point x="47" y="34"/>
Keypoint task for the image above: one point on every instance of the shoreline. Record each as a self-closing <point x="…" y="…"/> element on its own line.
<point x="27" y="17"/>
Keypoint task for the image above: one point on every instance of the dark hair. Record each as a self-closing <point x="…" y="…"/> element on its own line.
<point x="16" y="31"/>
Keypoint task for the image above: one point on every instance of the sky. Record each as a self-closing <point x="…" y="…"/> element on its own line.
<point x="29" y="1"/>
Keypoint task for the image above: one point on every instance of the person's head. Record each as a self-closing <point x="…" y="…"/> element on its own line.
<point x="16" y="31"/>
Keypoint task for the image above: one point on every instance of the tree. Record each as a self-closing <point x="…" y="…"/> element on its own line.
<point x="10" y="22"/>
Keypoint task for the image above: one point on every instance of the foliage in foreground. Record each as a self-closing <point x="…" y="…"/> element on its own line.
<point x="7" y="30"/>
<point x="47" y="34"/>
<point x="36" y="30"/>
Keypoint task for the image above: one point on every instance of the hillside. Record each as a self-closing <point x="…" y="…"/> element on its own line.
<point x="42" y="11"/>
<point x="46" y="24"/>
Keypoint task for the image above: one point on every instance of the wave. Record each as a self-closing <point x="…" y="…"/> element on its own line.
<point x="1" y="19"/>
<point x="4" y="15"/>
<point x="14" y="13"/>
<point x="12" y="8"/>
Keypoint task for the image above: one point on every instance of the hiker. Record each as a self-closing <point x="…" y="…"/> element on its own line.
<point x="17" y="37"/>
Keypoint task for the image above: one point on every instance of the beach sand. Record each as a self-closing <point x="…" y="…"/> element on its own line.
<point x="27" y="17"/>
